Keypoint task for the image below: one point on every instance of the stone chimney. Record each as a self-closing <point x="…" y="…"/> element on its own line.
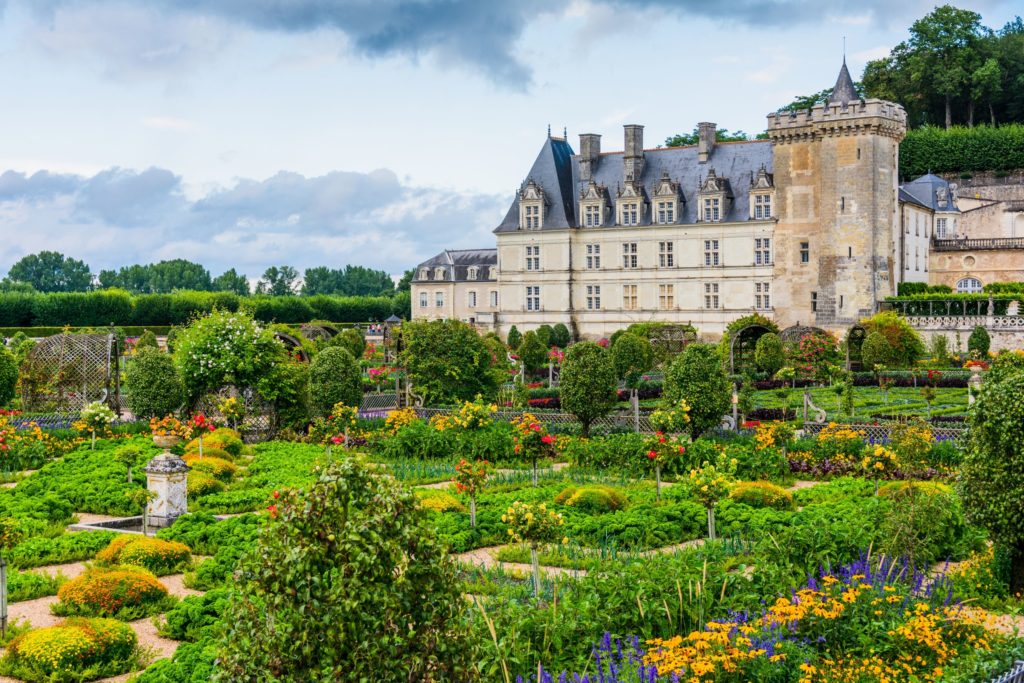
<point x="705" y="141"/>
<point x="590" y="152"/>
<point x="633" y="156"/>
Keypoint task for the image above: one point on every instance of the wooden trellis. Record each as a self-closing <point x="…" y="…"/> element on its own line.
<point x="65" y="372"/>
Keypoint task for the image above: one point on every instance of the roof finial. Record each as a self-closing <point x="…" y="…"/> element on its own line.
<point x="844" y="49"/>
<point x="565" y="133"/>
<point x="549" y="130"/>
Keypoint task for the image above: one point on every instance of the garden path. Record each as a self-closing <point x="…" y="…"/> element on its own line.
<point x="802" y="484"/>
<point x="487" y="557"/>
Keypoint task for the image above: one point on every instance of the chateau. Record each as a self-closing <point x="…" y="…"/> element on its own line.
<point x="809" y="226"/>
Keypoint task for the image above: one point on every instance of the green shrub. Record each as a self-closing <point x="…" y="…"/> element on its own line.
<point x="192" y="617"/>
<point x="439" y="501"/>
<point x="593" y="498"/>
<point x="202" y="484"/>
<point x="514" y="338"/>
<point x="560" y="336"/>
<point x="588" y="383"/>
<point x="8" y="376"/>
<point x="762" y="494"/>
<point x="334" y="378"/>
<point x="979" y="341"/>
<point x="532" y="351"/>
<point x="191" y="663"/>
<point x="75" y="650"/>
<point x="697" y="377"/>
<point x="72" y="547"/>
<point x="221" y="438"/>
<point x="769" y="355"/>
<point x="147" y="340"/>
<point x="351" y="340"/>
<point x="875" y="350"/>
<point x="932" y="149"/>
<point x="153" y="388"/>
<point x="224" y="470"/>
<point x="904" y="343"/>
<point x="447" y="361"/>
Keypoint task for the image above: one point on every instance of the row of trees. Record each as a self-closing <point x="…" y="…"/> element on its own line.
<point x="51" y="271"/>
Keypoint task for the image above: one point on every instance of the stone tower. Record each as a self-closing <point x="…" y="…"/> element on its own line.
<point x="836" y="179"/>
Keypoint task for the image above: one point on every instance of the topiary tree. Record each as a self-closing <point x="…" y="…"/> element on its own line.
<point x="587" y="384"/>
<point x="152" y="385"/>
<point x="351" y="340"/>
<point x="385" y="604"/>
<point x="992" y="469"/>
<point x="697" y="376"/>
<point x="905" y="344"/>
<point x="769" y="356"/>
<point x="979" y="342"/>
<point x="514" y="338"/>
<point x="560" y="336"/>
<point x="632" y="356"/>
<point x="532" y="351"/>
<point x="875" y="350"/>
<point x="147" y="340"/>
<point x="8" y="376"/>
<point x="544" y="333"/>
<point x="334" y="378"/>
<point x="447" y="361"/>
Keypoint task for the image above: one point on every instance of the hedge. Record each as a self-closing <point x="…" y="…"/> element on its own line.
<point x="951" y="304"/>
<point x="46" y="314"/>
<point x="962" y="150"/>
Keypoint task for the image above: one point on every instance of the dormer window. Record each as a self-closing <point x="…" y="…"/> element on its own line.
<point x="762" y="206"/>
<point x="666" y="199"/>
<point x="531" y="206"/>
<point x="631" y="200"/>
<point x="439" y="273"/>
<point x="712" y="209"/>
<point x="629" y="213"/>
<point x="424" y="274"/>
<point x="715" y="196"/>
<point x="592" y="215"/>
<point x="666" y="212"/>
<point x="761" y="188"/>
<point x="471" y="273"/>
<point x="593" y="203"/>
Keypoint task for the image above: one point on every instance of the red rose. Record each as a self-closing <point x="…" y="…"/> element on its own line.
<point x="277" y="494"/>
<point x="273" y="511"/>
<point x="682" y="449"/>
<point x="547" y="438"/>
<point x="652" y="455"/>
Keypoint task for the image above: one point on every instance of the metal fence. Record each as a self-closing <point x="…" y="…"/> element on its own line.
<point x="880" y="432"/>
<point x="622" y="421"/>
<point x="1014" y="675"/>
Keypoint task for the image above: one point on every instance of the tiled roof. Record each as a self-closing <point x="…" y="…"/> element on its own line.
<point x="456" y="264"/>
<point x="926" y="189"/>
<point x="843" y="92"/>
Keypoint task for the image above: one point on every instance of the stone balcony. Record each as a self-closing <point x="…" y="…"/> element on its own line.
<point x="986" y="244"/>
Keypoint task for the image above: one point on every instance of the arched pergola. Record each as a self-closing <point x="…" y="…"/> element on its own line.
<point x="65" y="372"/>
<point x="742" y="343"/>
<point x="854" y="341"/>
<point x="315" y="332"/>
<point x="793" y="335"/>
<point x="293" y="344"/>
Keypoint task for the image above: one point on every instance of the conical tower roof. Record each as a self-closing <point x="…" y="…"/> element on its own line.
<point x="843" y="92"/>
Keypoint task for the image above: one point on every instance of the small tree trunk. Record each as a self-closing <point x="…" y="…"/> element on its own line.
<point x="711" y="523"/>
<point x="970" y="114"/>
<point x="657" y="480"/>
<point x="472" y="512"/>
<point x="949" y="113"/>
<point x="992" y="114"/>
<point x="634" y="397"/>
<point x="585" y="429"/>
<point x="536" y="570"/>
<point x="92" y="433"/>
<point x="200" y="446"/>
<point x="346" y="437"/>
<point x="1017" y="570"/>
<point x="535" y="471"/>
<point x="328" y="451"/>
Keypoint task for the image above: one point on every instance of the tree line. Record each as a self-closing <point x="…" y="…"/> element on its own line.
<point x="51" y="271"/>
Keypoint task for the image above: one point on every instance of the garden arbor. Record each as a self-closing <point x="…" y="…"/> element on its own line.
<point x="742" y="344"/>
<point x="66" y="372"/>
<point x="855" y="337"/>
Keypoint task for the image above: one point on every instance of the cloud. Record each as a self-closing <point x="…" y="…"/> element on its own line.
<point x="133" y="39"/>
<point x="119" y="217"/>
<point x="167" y="123"/>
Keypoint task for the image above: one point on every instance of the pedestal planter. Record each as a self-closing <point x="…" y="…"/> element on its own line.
<point x="167" y="477"/>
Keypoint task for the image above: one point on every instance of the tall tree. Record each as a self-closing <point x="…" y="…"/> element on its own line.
<point x="405" y="283"/>
<point x="231" y="281"/>
<point x="721" y="135"/>
<point x="51" y="271"/>
<point x="278" y="281"/>
<point x="167" y="276"/>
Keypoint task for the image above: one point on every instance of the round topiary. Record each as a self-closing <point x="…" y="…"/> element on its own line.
<point x="208" y="452"/>
<point x="77" y="649"/>
<point x="349" y="339"/>
<point x="762" y="494"/>
<point x="147" y="340"/>
<point x="152" y="384"/>
<point x="8" y="376"/>
<point x="439" y="501"/>
<point x="158" y="556"/>
<point x="223" y="438"/>
<point x="769" y="355"/>
<point x="124" y="593"/>
<point x="875" y="350"/>
<point x="592" y="498"/>
<point x="979" y="341"/>
<point x="334" y="378"/>
<point x="202" y="484"/>
<point x="218" y="468"/>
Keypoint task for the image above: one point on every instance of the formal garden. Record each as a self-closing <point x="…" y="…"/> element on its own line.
<point x="443" y="505"/>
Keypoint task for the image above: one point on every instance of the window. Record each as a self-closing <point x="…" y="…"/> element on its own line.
<point x="940" y="228"/>
<point x="712" y="209"/>
<point x="471" y="273"/>
<point x="840" y="302"/>
<point x="762" y="206"/>
<point x="666" y="259"/>
<point x="805" y="252"/>
<point x="711" y="295"/>
<point x="531" y="217"/>
<point x="666" y="212"/>
<point x="494" y="298"/>
<point x="629" y="258"/>
<point x="710" y="252"/>
<point x="969" y="285"/>
<point x="593" y="297"/>
<point x="593" y="256"/>
<point x="439" y="273"/>
<point x="666" y="297"/>
<point x="842" y="204"/>
<point x="762" y="296"/>
<point x="439" y="299"/>
<point x="814" y="301"/>
<point x="424" y="274"/>
<point x="533" y="257"/>
<point x="592" y="215"/>
<point x="629" y="298"/>
<point x="533" y="298"/>
<point x="763" y="251"/>
<point x="630" y="213"/>
<point x="424" y="300"/>
<point x="471" y="299"/>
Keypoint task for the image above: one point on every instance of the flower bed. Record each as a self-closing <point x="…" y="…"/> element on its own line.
<point x="159" y="557"/>
<point x="76" y="650"/>
<point x="119" y="592"/>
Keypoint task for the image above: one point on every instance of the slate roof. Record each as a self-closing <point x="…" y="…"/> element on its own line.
<point x="557" y="172"/>
<point x="925" y="192"/>
<point x="843" y="92"/>
<point x="457" y="262"/>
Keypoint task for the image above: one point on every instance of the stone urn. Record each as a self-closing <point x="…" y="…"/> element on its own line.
<point x="167" y="478"/>
<point x="974" y="383"/>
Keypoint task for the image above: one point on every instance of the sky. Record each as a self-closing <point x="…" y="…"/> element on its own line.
<point x="249" y="133"/>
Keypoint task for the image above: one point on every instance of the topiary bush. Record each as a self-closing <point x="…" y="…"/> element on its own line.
<point x="147" y="340"/>
<point x="588" y="383"/>
<point x="124" y="593"/>
<point x="152" y="385"/>
<point x="334" y="378"/>
<point x="216" y="453"/>
<point x="218" y="468"/>
<point x="439" y="501"/>
<point x="76" y="650"/>
<point x="514" y="338"/>
<point x="769" y="355"/>
<point x="8" y="376"/>
<point x="593" y="498"/>
<point x="762" y="494"/>
<point x="979" y="341"/>
<point x="221" y="438"/>
<point x="904" y="343"/>
<point x="875" y="350"/>
<point x="202" y="484"/>
<point x="697" y="377"/>
<point x="158" y="556"/>
<point x="351" y="340"/>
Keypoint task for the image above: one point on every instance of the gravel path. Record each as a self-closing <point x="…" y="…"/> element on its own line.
<point x="801" y="484"/>
<point x="90" y="518"/>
